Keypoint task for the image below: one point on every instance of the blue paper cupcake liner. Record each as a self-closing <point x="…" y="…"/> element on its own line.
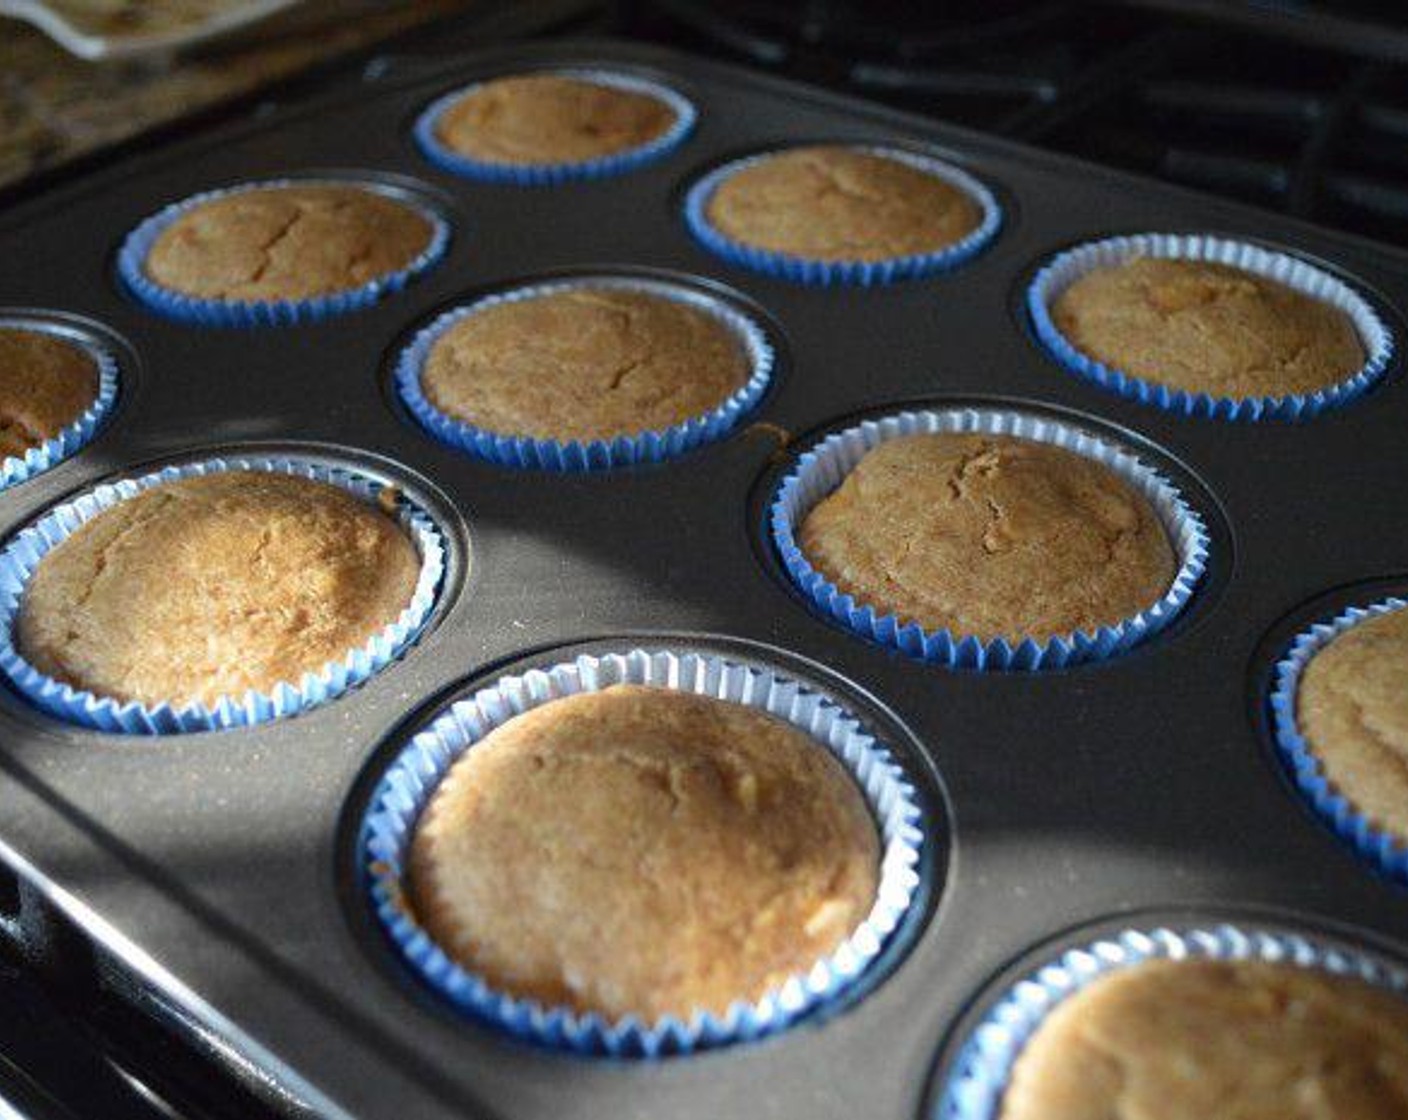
<point x="864" y="274"/>
<point x="1381" y="850"/>
<point x="574" y="455"/>
<point x="820" y="470"/>
<point x="22" y="555"/>
<point x="132" y="260"/>
<point x="549" y="174"/>
<point x="1064" y="269"/>
<point x="15" y="469"/>
<point x="980" y="1074"/>
<point x="412" y="778"/>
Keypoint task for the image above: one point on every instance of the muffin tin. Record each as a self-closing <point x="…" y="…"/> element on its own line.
<point x="219" y="869"/>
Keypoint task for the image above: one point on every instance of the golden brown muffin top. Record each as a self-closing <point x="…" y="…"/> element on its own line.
<point x="212" y="586"/>
<point x="584" y="364"/>
<point x="1208" y="328"/>
<point x="294" y="242"/>
<point x="840" y="204"/>
<point x="992" y="536"/>
<point x="1352" y="710"/>
<point x="1203" y="1040"/>
<point x="643" y="851"/>
<point x="46" y="383"/>
<point x="550" y="118"/>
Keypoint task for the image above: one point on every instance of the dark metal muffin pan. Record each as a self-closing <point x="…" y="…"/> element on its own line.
<point x="216" y="869"/>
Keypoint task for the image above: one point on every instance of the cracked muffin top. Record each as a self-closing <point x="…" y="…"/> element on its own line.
<point x="46" y="383"/>
<point x="1196" y="1039"/>
<point x="550" y="118"/>
<point x="583" y="364"/>
<point x="841" y="204"/>
<point x="287" y="243"/>
<point x="991" y="536"/>
<point x="212" y="586"/>
<point x="1352" y="711"/>
<point x="643" y="851"/>
<point x="1208" y="328"/>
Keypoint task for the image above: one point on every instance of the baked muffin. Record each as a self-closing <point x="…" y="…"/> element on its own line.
<point x="535" y="119"/>
<point x="840" y="204"/>
<point x="990" y="536"/>
<point x="1352" y="711"/>
<point x="287" y="243"/>
<point x="1208" y="328"/>
<point x="212" y="586"/>
<point x="641" y="851"/>
<point x="46" y="383"/>
<point x="583" y="364"/>
<point x="1199" y="1039"/>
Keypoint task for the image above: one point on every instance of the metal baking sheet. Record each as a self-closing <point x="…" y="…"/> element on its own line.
<point x="219" y="867"/>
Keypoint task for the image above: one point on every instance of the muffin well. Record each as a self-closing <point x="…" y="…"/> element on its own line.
<point x="537" y="119"/>
<point x="641" y="851"/>
<point x="1196" y="1039"/>
<point x="584" y="364"/>
<point x="990" y="536"/>
<point x="293" y="242"/>
<point x="46" y="383"/>
<point x="1352" y="711"/>
<point x="1208" y="328"/>
<point x="841" y="204"/>
<point x="213" y="586"/>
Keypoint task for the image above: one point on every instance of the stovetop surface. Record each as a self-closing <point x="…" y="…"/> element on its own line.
<point x="1245" y="103"/>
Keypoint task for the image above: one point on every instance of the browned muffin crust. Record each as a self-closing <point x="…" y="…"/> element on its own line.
<point x="549" y="118"/>
<point x="992" y="536"/>
<point x="1352" y="710"/>
<point x="1198" y="1040"/>
<point x="212" y="586"/>
<point x="293" y="242"/>
<point x="46" y="383"/>
<point x="840" y="204"/>
<point x="643" y="851"/>
<point x="1208" y="328"/>
<point x="584" y="364"/>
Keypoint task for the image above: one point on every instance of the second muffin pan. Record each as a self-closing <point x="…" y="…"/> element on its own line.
<point x="223" y="868"/>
